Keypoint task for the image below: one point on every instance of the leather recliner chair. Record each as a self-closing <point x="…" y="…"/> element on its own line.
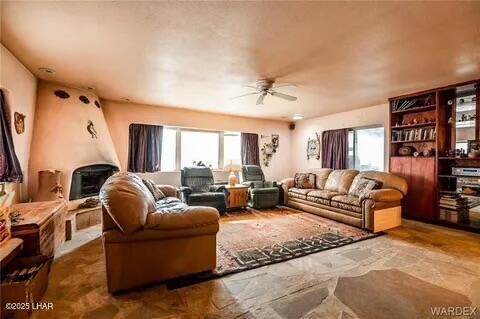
<point x="147" y="241"/>
<point x="198" y="189"/>
<point x="262" y="194"/>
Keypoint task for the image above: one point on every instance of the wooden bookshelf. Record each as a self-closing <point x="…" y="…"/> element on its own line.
<point x="429" y="177"/>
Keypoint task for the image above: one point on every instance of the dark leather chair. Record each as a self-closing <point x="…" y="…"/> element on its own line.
<point x="262" y="194"/>
<point x="198" y="189"/>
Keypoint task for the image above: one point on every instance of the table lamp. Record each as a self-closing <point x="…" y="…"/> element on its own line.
<point x="232" y="167"/>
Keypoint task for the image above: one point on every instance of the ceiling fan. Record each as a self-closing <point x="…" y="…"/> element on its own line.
<point x="264" y="87"/>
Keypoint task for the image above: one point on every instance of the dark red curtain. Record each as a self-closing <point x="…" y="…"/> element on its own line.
<point x="145" y="148"/>
<point x="249" y="149"/>
<point x="10" y="170"/>
<point x="335" y="149"/>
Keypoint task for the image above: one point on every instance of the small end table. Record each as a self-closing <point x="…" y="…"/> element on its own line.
<point x="237" y="196"/>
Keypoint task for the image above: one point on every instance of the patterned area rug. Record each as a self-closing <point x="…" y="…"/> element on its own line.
<point x="252" y="238"/>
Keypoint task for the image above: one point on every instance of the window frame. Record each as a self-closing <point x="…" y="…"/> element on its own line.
<point x="354" y="139"/>
<point x="178" y="145"/>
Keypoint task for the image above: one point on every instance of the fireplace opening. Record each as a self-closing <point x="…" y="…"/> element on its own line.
<point x="87" y="180"/>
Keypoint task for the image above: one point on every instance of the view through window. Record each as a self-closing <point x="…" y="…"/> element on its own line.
<point x="366" y="149"/>
<point x="197" y="146"/>
<point x="187" y="147"/>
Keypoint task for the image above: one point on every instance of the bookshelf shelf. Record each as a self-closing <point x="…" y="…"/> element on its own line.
<point x="416" y="141"/>
<point x="416" y="109"/>
<point x="399" y="127"/>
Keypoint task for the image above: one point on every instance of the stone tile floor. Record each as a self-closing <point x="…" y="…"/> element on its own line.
<point x="399" y="275"/>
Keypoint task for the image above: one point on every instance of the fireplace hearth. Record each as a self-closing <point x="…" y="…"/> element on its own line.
<point x="87" y="180"/>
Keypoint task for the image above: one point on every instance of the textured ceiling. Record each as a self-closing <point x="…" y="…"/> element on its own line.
<point x="342" y="55"/>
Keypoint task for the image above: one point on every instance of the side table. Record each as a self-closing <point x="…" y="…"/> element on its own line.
<point x="237" y="196"/>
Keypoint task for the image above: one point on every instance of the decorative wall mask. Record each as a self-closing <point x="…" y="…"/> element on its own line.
<point x="84" y="99"/>
<point x="62" y="94"/>
<point x="269" y="148"/>
<point x="97" y="104"/>
<point x="19" y="122"/>
<point x="91" y="129"/>
<point x="313" y="147"/>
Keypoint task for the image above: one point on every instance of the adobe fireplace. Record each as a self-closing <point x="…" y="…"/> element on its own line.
<point x="87" y="180"/>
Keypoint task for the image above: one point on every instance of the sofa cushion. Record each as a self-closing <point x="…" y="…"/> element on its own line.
<point x="299" y="192"/>
<point x="347" y="202"/>
<point x="318" y="200"/>
<point x="206" y="197"/>
<point x="304" y="180"/>
<point x="182" y="216"/>
<point x="156" y="193"/>
<point x="363" y="186"/>
<point x="325" y="194"/>
<point x="340" y="180"/>
<point x="389" y="180"/>
<point x="321" y="176"/>
<point x="168" y="190"/>
<point x="127" y="200"/>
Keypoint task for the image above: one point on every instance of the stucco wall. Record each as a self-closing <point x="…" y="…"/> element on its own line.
<point x="374" y="115"/>
<point x="120" y="115"/>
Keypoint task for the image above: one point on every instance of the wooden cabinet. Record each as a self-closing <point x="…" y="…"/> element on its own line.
<point x="41" y="226"/>
<point x="419" y="172"/>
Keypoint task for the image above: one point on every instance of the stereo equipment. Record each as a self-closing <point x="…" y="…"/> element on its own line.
<point x="466" y="171"/>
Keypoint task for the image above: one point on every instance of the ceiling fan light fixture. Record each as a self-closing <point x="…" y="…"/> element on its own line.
<point x="298" y="117"/>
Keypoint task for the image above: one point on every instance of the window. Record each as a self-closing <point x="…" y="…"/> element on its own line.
<point x="231" y="148"/>
<point x="187" y="147"/>
<point x="169" y="149"/>
<point x="366" y="149"/>
<point x="199" y="146"/>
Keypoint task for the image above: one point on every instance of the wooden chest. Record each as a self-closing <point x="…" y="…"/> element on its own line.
<point x="41" y="226"/>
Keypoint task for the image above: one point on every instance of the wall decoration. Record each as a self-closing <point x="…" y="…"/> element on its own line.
<point x="19" y="119"/>
<point x="313" y="147"/>
<point x="91" y="129"/>
<point x="62" y="94"/>
<point x="275" y="140"/>
<point x="84" y="99"/>
<point x="269" y="148"/>
<point x="97" y="104"/>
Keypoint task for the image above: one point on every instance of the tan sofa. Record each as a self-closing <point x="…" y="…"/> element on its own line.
<point x="147" y="241"/>
<point x="376" y="210"/>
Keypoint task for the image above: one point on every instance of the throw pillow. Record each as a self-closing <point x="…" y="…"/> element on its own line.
<point x="157" y="194"/>
<point x="365" y="185"/>
<point x="304" y="180"/>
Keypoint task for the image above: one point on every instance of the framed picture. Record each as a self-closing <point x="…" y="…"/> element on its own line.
<point x="313" y="147"/>
<point x="473" y="145"/>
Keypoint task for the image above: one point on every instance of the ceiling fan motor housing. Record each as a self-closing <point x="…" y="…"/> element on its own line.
<point x="264" y="84"/>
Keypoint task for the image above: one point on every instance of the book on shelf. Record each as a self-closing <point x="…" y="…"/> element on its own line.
<point x="414" y="134"/>
<point x="458" y="202"/>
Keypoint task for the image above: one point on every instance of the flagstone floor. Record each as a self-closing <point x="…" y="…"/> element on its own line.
<point x="400" y="275"/>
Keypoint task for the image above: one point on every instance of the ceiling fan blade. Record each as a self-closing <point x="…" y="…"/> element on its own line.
<point x="283" y="96"/>
<point x="284" y="85"/>
<point x="236" y="97"/>
<point x="250" y="86"/>
<point x="260" y="99"/>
